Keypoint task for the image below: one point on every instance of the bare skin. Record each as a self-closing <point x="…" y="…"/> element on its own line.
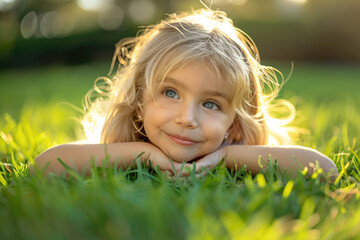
<point x="289" y="158"/>
<point x="78" y="157"/>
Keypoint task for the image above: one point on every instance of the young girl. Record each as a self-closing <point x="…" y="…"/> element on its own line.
<point x="189" y="89"/>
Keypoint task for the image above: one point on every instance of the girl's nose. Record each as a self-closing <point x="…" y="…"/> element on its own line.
<point x="186" y="116"/>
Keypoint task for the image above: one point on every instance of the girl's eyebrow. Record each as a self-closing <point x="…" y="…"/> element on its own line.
<point x="206" y="92"/>
<point x="217" y="94"/>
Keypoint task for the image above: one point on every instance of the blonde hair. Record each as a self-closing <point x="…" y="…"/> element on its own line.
<point x="201" y="35"/>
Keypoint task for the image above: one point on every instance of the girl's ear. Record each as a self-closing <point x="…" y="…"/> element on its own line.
<point x="234" y="131"/>
<point x="139" y="112"/>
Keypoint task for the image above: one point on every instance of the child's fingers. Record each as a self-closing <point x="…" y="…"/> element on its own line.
<point x="203" y="168"/>
<point x="167" y="174"/>
<point x="202" y="173"/>
<point x="185" y="171"/>
<point x="199" y="167"/>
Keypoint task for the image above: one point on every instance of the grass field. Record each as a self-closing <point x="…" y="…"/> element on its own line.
<point x="142" y="204"/>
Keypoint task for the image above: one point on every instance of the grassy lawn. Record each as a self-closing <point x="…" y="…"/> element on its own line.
<point x="40" y="108"/>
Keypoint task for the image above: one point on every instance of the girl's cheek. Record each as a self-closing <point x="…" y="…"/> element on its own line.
<point x="166" y="103"/>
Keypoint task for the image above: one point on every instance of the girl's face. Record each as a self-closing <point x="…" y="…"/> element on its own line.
<point x="191" y="113"/>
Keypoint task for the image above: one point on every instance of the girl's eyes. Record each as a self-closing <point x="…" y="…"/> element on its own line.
<point x="212" y="106"/>
<point x="209" y="104"/>
<point x="170" y="93"/>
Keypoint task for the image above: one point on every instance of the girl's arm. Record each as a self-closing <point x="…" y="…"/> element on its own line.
<point x="78" y="156"/>
<point x="288" y="158"/>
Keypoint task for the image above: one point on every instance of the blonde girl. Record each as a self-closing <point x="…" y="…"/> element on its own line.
<point x="189" y="89"/>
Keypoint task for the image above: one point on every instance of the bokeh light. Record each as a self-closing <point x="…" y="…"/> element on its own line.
<point x="94" y="5"/>
<point x="282" y="29"/>
<point x="290" y="9"/>
<point x="237" y="2"/>
<point x="141" y="11"/>
<point x="66" y="21"/>
<point x="50" y="24"/>
<point x="29" y="25"/>
<point x="226" y="2"/>
<point x="111" y="18"/>
<point x="298" y="1"/>
<point x="6" y="5"/>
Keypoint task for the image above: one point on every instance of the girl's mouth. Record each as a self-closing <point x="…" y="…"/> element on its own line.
<point x="182" y="140"/>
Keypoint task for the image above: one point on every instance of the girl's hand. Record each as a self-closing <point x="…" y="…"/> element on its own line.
<point x="209" y="161"/>
<point x="158" y="158"/>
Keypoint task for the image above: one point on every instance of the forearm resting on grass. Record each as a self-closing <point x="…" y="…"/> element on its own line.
<point x="288" y="158"/>
<point x="79" y="156"/>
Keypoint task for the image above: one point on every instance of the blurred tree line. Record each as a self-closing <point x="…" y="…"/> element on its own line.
<point x="35" y="32"/>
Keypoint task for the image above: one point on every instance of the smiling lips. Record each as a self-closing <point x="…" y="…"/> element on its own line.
<point x="182" y="140"/>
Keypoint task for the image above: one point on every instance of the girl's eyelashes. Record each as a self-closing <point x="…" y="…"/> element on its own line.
<point x="170" y="93"/>
<point x="212" y="106"/>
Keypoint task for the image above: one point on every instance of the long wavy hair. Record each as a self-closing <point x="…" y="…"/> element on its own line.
<point x="202" y="35"/>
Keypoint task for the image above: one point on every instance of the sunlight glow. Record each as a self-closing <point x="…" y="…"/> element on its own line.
<point x="93" y="131"/>
<point x="208" y="25"/>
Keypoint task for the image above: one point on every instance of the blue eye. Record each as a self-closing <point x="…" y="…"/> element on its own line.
<point x="171" y="93"/>
<point x="212" y="106"/>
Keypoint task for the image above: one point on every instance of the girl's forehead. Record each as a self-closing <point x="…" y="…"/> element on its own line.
<point x="225" y="75"/>
<point x="180" y="74"/>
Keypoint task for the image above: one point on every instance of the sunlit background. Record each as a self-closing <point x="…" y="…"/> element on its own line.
<point x="39" y="32"/>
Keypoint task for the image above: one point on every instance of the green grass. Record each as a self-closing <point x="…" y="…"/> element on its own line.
<point x="142" y="204"/>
